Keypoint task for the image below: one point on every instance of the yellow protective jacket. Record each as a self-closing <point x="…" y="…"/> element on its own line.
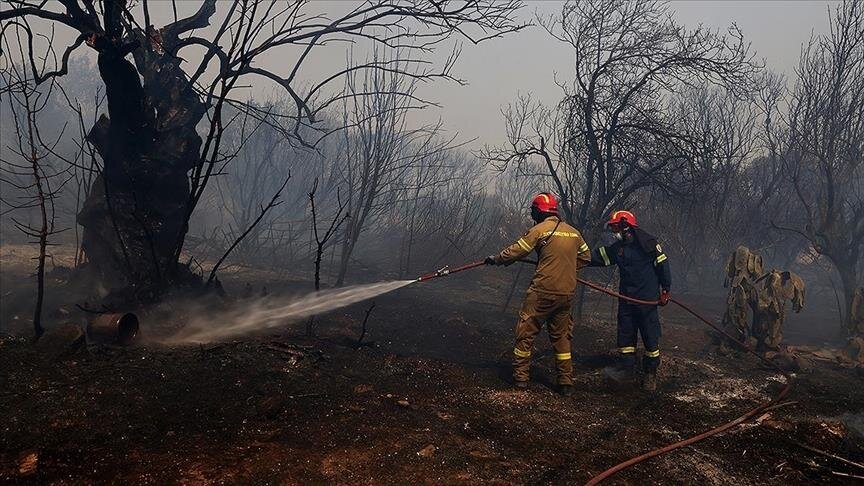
<point x="560" y="255"/>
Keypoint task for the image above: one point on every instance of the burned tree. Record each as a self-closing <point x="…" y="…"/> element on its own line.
<point x="716" y="196"/>
<point x="262" y="159"/>
<point x="379" y="149"/>
<point x="262" y="211"/>
<point x="27" y="166"/>
<point x="613" y="133"/>
<point x="822" y="157"/>
<point x="156" y="166"/>
<point x="321" y="240"/>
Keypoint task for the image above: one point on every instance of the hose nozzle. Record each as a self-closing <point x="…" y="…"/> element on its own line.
<point x="446" y="270"/>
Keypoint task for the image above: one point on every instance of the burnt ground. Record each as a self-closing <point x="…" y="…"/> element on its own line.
<point x="427" y="402"/>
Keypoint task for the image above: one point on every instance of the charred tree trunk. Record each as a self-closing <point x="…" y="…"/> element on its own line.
<point x="345" y="257"/>
<point x="849" y="277"/>
<point x="136" y="212"/>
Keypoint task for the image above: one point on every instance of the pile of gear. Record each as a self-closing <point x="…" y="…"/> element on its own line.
<point x="756" y="311"/>
<point x="760" y="295"/>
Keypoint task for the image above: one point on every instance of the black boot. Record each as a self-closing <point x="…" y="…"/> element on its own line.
<point x="565" y="390"/>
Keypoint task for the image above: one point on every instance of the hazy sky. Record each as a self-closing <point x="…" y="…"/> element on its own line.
<point x="528" y="61"/>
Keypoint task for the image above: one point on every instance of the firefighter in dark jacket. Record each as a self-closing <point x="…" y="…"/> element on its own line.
<point x="644" y="275"/>
<point x="561" y="252"/>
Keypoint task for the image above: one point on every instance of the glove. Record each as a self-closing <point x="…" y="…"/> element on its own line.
<point x="491" y="260"/>
<point x="664" y="297"/>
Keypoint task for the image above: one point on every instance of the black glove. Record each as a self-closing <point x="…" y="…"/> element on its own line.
<point x="491" y="260"/>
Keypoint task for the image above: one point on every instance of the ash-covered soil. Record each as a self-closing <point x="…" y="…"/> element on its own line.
<point x="427" y="402"/>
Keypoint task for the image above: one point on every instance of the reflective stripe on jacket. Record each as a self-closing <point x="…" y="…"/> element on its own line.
<point x="561" y="252"/>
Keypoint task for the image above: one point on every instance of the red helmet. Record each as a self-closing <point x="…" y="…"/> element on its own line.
<point x="619" y="217"/>
<point x="545" y="202"/>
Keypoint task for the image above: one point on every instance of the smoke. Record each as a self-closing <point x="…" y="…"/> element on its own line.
<point x="268" y="313"/>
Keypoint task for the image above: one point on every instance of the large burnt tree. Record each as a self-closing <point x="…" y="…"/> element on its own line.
<point x="614" y="133"/>
<point x="823" y="148"/>
<point x="156" y="164"/>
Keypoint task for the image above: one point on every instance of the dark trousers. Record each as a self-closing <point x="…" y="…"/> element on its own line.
<point x="639" y="320"/>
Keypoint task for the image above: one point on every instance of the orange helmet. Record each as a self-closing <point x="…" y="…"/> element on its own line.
<point x="545" y="202"/>
<point x="619" y="217"/>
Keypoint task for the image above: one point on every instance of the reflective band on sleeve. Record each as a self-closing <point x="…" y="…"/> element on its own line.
<point x="562" y="356"/>
<point x="660" y="259"/>
<point x="565" y="234"/>
<point x="522" y="354"/>
<point x="583" y="248"/>
<point x="524" y="244"/>
<point x="652" y="354"/>
<point x="604" y="256"/>
<point x="627" y="349"/>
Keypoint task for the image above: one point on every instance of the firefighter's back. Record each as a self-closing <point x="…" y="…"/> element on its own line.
<point x="558" y="257"/>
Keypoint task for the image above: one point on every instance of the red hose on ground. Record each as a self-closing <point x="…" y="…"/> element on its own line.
<point x="704" y="435"/>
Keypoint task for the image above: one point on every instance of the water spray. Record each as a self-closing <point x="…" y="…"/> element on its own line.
<point x="271" y="312"/>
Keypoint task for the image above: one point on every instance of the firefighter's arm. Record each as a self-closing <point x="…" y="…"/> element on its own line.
<point x="583" y="257"/>
<point x="518" y="250"/>
<point x="661" y="267"/>
<point x="602" y="256"/>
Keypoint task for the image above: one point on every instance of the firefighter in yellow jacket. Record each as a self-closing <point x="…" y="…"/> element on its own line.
<point x="561" y="252"/>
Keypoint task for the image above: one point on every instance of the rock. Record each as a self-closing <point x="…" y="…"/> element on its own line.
<point x="427" y="451"/>
<point x="855" y="350"/>
<point x="60" y="340"/>
<point x="403" y="403"/>
<point x="362" y="389"/>
<point x="28" y="462"/>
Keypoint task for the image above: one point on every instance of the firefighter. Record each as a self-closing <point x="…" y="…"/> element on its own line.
<point x="644" y="275"/>
<point x="561" y="252"/>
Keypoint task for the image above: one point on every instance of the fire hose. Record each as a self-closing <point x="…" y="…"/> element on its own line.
<point x="685" y="442"/>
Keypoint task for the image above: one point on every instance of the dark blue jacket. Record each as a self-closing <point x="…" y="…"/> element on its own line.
<point x="641" y="262"/>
